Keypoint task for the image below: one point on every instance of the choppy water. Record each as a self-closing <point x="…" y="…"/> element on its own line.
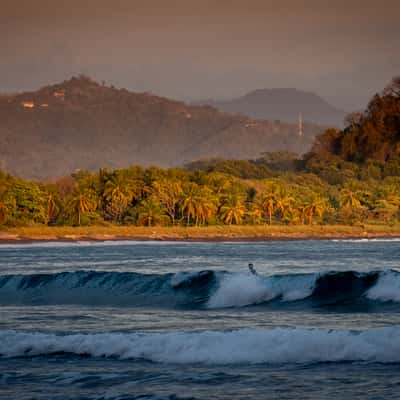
<point x="157" y="320"/>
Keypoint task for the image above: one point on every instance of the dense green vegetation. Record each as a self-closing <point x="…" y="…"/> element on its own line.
<point x="350" y="176"/>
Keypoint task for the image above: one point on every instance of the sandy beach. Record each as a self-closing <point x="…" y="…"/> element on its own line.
<point x="212" y="233"/>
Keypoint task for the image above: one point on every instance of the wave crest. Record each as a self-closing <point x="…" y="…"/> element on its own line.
<point x="387" y="288"/>
<point x="207" y="289"/>
<point x="239" y="290"/>
<point x="254" y="346"/>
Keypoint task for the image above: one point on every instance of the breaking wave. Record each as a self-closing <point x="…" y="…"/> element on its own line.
<point x="254" y="346"/>
<point x="204" y="289"/>
<point x="237" y="290"/>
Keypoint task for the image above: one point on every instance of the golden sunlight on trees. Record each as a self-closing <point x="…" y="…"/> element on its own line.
<point x="350" y="176"/>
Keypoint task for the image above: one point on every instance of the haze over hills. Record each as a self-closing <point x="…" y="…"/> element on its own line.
<point x="81" y="124"/>
<point x="284" y="105"/>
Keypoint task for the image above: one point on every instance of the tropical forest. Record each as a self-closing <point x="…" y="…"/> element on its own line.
<point x="349" y="176"/>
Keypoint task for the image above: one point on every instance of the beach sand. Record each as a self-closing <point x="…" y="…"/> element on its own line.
<point x="209" y="234"/>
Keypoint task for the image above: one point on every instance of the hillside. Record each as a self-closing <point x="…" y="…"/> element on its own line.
<point x="81" y="124"/>
<point x="372" y="136"/>
<point x="284" y="105"/>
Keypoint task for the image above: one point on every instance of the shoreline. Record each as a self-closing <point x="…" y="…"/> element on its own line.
<point x="26" y="235"/>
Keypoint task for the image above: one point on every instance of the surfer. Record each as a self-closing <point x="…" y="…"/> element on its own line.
<point x="252" y="269"/>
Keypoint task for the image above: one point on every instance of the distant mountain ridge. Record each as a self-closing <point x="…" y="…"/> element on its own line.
<point x="81" y="124"/>
<point x="282" y="104"/>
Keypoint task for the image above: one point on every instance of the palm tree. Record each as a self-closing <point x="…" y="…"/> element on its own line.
<point x="385" y="209"/>
<point x="388" y="203"/>
<point x="151" y="212"/>
<point x="295" y="214"/>
<point x="256" y="214"/>
<point x="267" y="202"/>
<point x="81" y="203"/>
<point x="189" y="201"/>
<point x="169" y="192"/>
<point x="52" y="207"/>
<point x="119" y="193"/>
<point x="219" y="182"/>
<point x="351" y="197"/>
<point x="232" y="209"/>
<point x="314" y="205"/>
<point x="206" y="205"/>
<point x="391" y="193"/>
<point x="284" y="202"/>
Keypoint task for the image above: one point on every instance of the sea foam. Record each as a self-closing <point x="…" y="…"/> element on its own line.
<point x="253" y="346"/>
<point x="387" y="288"/>
<point x="237" y="290"/>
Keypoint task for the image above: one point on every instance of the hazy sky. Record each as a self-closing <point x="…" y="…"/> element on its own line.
<point x="344" y="50"/>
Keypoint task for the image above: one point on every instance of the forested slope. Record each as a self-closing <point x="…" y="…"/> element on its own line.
<point x="81" y="124"/>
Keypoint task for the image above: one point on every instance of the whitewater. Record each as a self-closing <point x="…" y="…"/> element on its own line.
<point x="159" y="320"/>
<point x="235" y="347"/>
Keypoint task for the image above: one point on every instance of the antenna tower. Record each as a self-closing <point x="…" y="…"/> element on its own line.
<point x="300" y="126"/>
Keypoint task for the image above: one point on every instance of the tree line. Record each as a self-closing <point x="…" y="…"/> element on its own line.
<point x="349" y="176"/>
<point x="156" y="196"/>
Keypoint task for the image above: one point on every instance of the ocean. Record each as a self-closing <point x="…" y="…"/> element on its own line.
<point x="184" y="320"/>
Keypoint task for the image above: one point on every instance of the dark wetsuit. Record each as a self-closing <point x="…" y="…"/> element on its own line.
<point x="252" y="269"/>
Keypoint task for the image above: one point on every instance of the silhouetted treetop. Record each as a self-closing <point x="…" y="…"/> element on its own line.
<point x="371" y="135"/>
